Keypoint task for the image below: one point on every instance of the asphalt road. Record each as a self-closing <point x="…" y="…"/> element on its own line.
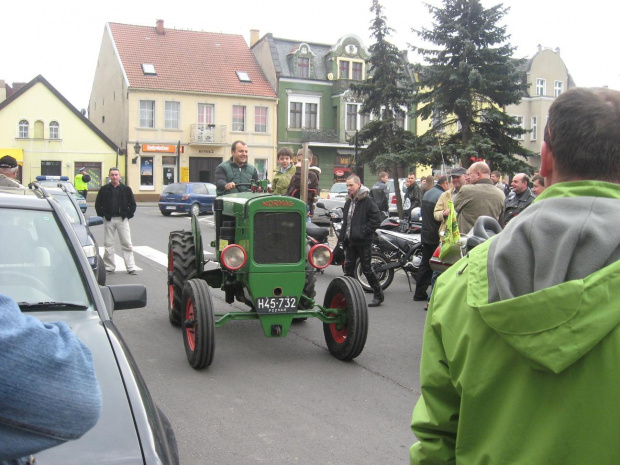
<point x="269" y="400"/>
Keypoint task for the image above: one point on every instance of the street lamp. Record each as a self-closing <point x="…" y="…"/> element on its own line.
<point x="136" y="148"/>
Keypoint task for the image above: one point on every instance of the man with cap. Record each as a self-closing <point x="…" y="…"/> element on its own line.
<point x="81" y="182"/>
<point x="8" y="172"/>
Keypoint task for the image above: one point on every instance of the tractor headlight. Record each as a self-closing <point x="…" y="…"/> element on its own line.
<point x="320" y="256"/>
<point x="233" y="257"/>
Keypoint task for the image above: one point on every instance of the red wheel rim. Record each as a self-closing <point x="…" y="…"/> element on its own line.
<point x="339" y="335"/>
<point x="170" y="283"/>
<point x="190" y="331"/>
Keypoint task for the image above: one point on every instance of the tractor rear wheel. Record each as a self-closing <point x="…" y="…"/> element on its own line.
<point x="198" y="323"/>
<point x="181" y="268"/>
<point x="345" y="342"/>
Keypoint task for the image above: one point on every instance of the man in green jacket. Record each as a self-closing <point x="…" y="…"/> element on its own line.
<point x="520" y="355"/>
<point x="235" y="171"/>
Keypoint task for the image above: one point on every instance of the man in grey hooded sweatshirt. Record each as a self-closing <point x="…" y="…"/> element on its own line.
<point x="361" y="217"/>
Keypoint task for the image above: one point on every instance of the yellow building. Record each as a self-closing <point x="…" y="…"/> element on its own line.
<point x="175" y="101"/>
<point x="49" y="136"/>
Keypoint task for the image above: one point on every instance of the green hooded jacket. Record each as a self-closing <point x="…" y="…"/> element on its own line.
<point x="521" y="354"/>
<point x="281" y="180"/>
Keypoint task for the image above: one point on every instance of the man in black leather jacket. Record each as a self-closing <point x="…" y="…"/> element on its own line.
<point x="361" y="217"/>
<point x="116" y="204"/>
<point x="520" y="197"/>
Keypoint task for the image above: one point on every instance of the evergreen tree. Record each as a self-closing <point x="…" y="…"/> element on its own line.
<point x="470" y="78"/>
<point x="387" y="96"/>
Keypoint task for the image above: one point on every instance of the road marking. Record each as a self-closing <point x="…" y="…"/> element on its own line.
<point x="155" y="255"/>
<point x="118" y="261"/>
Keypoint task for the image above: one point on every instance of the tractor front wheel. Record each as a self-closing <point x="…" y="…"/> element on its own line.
<point x="181" y="268"/>
<point x="346" y="341"/>
<point x="198" y="324"/>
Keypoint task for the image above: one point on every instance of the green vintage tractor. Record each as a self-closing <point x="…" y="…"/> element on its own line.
<point x="262" y="259"/>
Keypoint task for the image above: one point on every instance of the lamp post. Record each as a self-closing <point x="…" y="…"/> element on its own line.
<point x="136" y="148"/>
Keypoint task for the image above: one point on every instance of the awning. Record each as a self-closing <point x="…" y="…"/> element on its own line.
<point x="18" y="154"/>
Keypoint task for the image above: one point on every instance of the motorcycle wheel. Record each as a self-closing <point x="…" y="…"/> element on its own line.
<point x="385" y="277"/>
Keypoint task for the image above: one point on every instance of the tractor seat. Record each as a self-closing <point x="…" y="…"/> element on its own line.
<point x="318" y="233"/>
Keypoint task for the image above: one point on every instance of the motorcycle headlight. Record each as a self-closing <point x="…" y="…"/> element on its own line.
<point x="320" y="256"/>
<point x="233" y="257"/>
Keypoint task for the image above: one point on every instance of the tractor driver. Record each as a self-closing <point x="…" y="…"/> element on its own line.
<point x="235" y="171"/>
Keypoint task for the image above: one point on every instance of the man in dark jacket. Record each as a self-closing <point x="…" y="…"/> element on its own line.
<point x="429" y="236"/>
<point x="413" y="195"/>
<point x="380" y="193"/>
<point x="116" y="204"/>
<point x="361" y="217"/>
<point x="520" y="197"/>
<point x="235" y="171"/>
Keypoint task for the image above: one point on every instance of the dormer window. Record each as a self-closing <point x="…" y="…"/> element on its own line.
<point x="149" y="69"/>
<point x="344" y="69"/>
<point x="243" y="76"/>
<point x="303" y="67"/>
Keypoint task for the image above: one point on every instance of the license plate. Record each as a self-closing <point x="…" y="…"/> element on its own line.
<point x="171" y="207"/>
<point x="271" y="305"/>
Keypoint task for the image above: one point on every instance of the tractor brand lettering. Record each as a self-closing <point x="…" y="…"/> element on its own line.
<point x="277" y="203"/>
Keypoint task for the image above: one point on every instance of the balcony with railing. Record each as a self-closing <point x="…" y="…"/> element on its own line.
<point x="320" y="135"/>
<point x="208" y="134"/>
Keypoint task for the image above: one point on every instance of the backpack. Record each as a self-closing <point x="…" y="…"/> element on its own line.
<point x="378" y="195"/>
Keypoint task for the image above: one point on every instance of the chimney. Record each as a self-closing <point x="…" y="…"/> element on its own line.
<point x="253" y="36"/>
<point x="160" y="27"/>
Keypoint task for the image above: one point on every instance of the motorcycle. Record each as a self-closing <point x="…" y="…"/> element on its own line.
<point x="391" y="251"/>
<point x="484" y="228"/>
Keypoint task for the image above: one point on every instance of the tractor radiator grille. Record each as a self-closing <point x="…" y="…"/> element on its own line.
<point x="277" y="237"/>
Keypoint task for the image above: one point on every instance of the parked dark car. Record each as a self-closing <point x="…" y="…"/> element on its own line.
<point x="46" y="272"/>
<point x="81" y="226"/>
<point x="58" y="181"/>
<point x="192" y="198"/>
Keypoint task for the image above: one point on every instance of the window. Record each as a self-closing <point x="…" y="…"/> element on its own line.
<point x="295" y="115"/>
<point x="261" y="167"/>
<point x="172" y="113"/>
<point x="520" y="124"/>
<point x="303" y="67"/>
<point x="311" y="115"/>
<point x="205" y="113"/>
<point x="238" y="121"/>
<point x="54" y="130"/>
<point x="23" y="129"/>
<point x="147" y="113"/>
<point x="351" y="121"/>
<point x="354" y="119"/>
<point x="357" y="71"/>
<point x="260" y="119"/>
<point x="303" y="112"/>
<point x="540" y="86"/>
<point x="149" y="69"/>
<point x="243" y="76"/>
<point x="400" y="119"/>
<point x="343" y="69"/>
<point x="558" y="88"/>
<point x="146" y="172"/>
<point x="534" y="132"/>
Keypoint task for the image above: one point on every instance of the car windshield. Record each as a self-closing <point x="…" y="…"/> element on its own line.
<point x="68" y="207"/>
<point x="51" y="183"/>
<point x="339" y="188"/>
<point x="177" y="189"/>
<point x="37" y="267"/>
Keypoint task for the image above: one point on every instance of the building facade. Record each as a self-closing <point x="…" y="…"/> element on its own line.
<point x="315" y="105"/>
<point x="546" y="76"/>
<point x="47" y="135"/>
<point x="176" y="100"/>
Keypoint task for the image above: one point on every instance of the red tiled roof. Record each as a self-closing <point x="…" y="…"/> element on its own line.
<point x="189" y="61"/>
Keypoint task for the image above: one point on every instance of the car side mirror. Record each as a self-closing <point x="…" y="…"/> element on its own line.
<point x="94" y="221"/>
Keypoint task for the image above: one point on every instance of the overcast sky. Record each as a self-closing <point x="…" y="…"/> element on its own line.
<point x="61" y="40"/>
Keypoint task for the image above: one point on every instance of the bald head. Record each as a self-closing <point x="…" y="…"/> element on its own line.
<point x="520" y="182"/>
<point x="477" y="171"/>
